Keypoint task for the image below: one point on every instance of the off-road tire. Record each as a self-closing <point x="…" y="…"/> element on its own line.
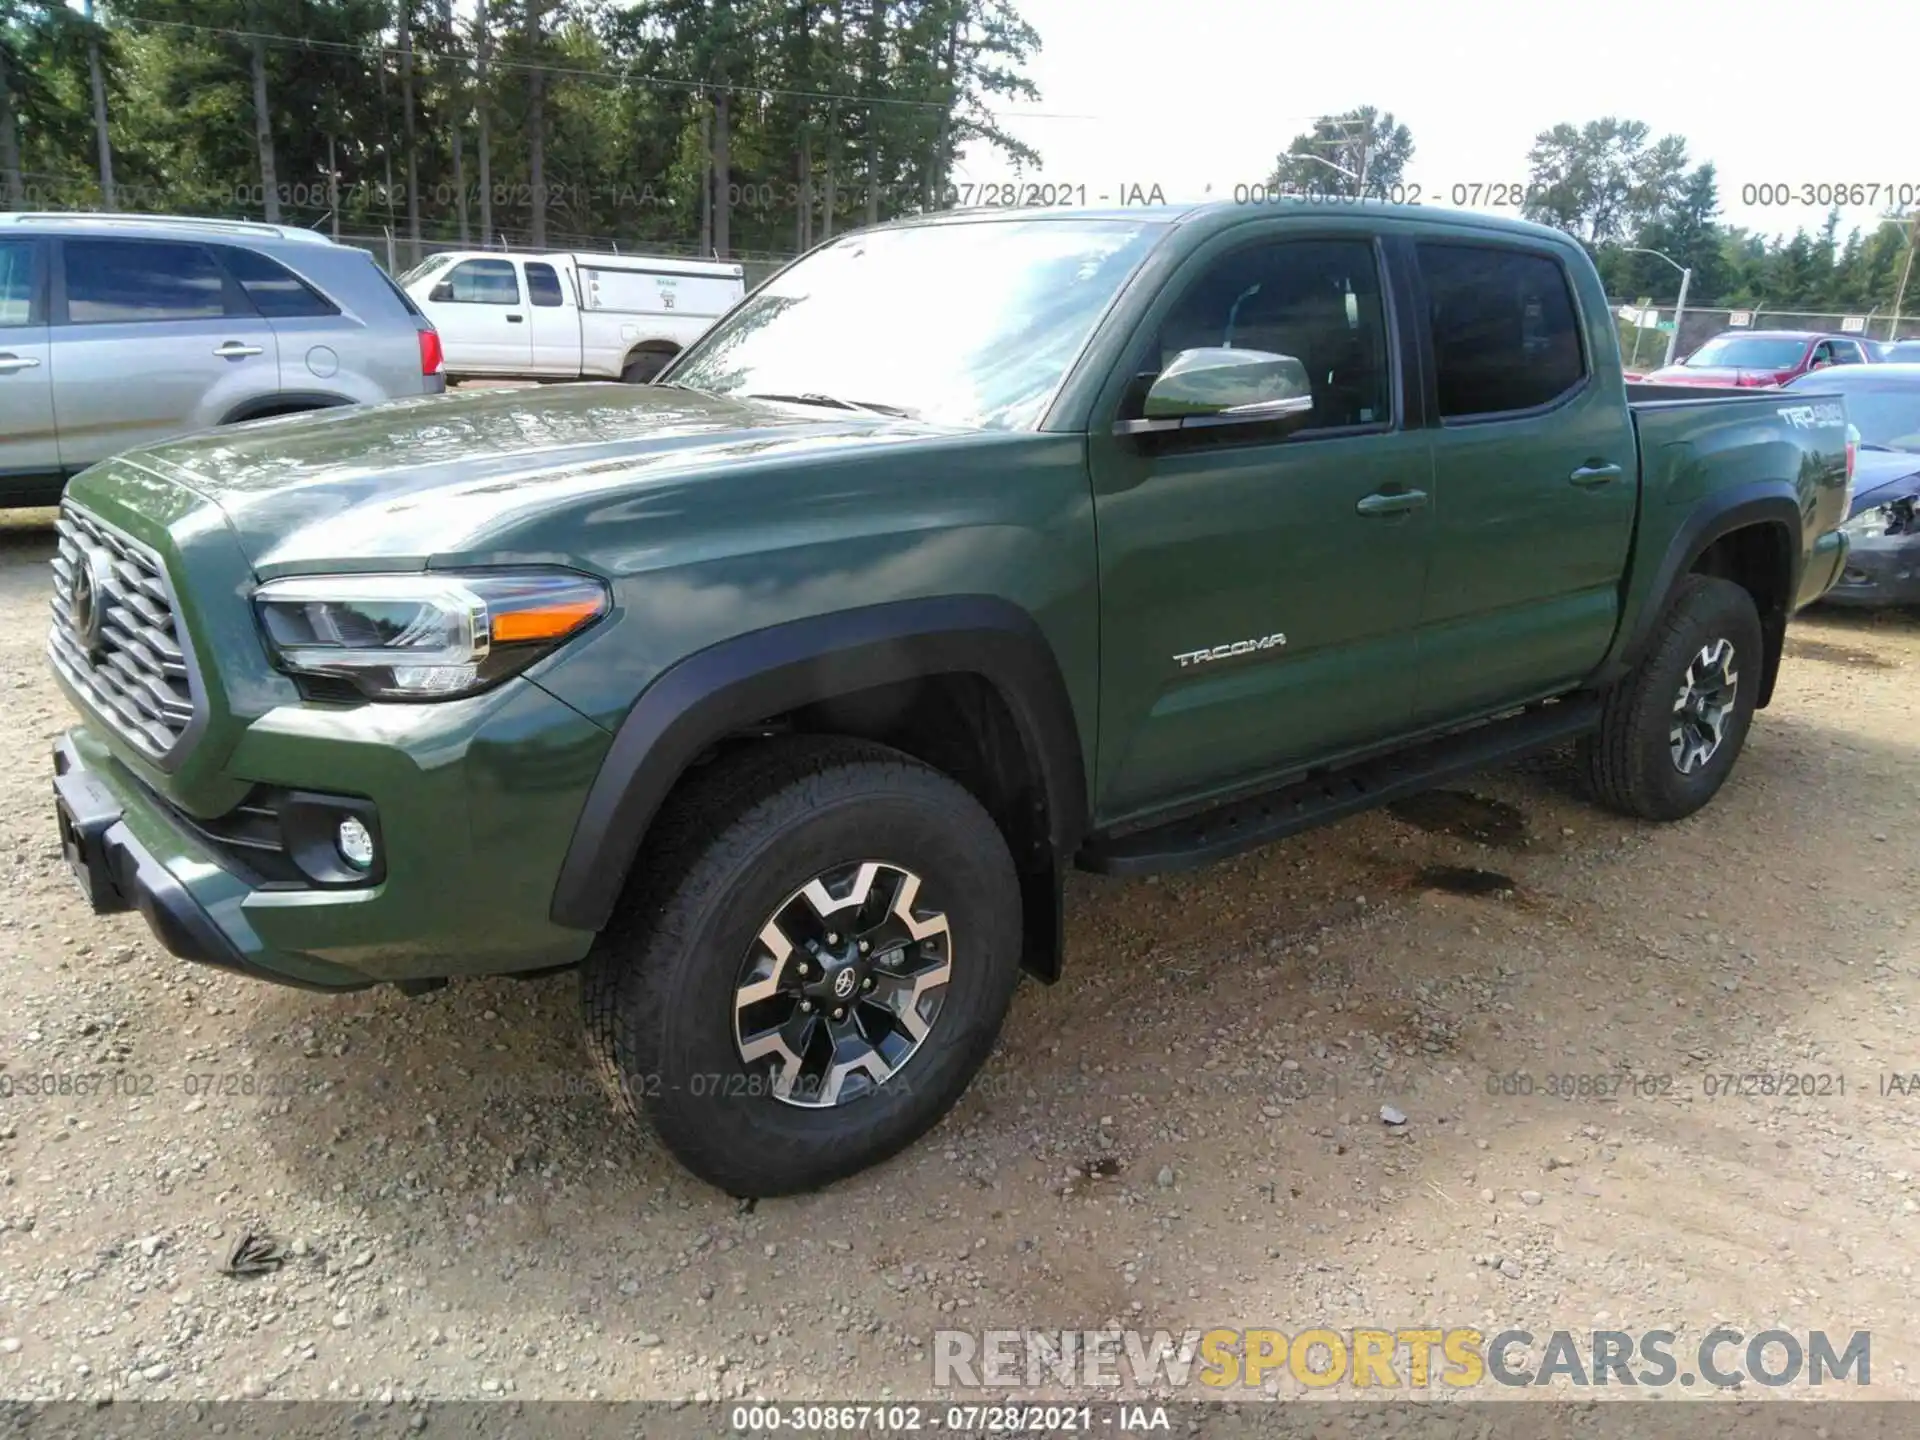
<point x="657" y="990"/>
<point x="1628" y="763"/>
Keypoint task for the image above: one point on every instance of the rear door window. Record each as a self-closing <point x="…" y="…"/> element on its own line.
<point x="543" y="284"/>
<point x="122" y="281"/>
<point x="1506" y="334"/>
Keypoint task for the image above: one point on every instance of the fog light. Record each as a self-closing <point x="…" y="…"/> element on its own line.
<point x="356" y="843"/>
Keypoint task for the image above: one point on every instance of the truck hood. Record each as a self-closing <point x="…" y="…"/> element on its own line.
<point x="388" y="486"/>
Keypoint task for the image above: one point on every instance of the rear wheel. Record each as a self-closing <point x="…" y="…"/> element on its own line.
<point x="812" y="963"/>
<point x="643" y="367"/>
<point x="1671" y="731"/>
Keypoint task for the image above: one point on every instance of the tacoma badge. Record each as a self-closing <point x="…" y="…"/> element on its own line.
<point x="1228" y="652"/>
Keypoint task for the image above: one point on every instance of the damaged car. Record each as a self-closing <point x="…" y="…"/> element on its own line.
<point x="1883" y="405"/>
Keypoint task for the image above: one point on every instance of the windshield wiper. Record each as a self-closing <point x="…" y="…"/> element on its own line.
<point x="814" y="397"/>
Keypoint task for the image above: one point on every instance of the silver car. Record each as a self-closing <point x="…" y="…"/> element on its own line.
<point x="117" y="330"/>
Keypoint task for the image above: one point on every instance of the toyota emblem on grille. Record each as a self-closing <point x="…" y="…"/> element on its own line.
<point x="87" y="606"/>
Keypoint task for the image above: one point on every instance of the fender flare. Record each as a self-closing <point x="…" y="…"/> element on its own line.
<point x="1761" y="502"/>
<point x="726" y="687"/>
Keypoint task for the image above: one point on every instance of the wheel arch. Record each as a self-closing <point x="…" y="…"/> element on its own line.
<point x="1748" y="534"/>
<point x="286" y="402"/>
<point x="968" y="684"/>
<point x="657" y="345"/>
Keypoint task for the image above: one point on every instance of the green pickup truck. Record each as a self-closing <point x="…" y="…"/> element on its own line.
<point x="780" y="695"/>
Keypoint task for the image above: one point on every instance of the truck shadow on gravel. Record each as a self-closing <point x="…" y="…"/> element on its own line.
<point x="1209" y="1075"/>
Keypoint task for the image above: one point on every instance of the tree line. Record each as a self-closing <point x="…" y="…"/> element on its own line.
<point x="1621" y="191"/>
<point x="734" y="127"/>
<point x="726" y="126"/>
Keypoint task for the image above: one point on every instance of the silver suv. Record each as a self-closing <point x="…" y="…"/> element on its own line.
<point x="116" y="330"/>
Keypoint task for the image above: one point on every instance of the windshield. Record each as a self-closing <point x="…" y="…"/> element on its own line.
<point x="1886" y="418"/>
<point x="971" y="324"/>
<point x="425" y="267"/>
<point x="1748" y="352"/>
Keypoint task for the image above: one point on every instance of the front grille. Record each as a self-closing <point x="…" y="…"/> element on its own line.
<point x="116" y="637"/>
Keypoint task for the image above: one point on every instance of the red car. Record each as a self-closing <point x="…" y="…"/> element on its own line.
<point x="1761" y="358"/>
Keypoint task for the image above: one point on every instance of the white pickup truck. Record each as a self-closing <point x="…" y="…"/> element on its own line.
<point x="564" y="316"/>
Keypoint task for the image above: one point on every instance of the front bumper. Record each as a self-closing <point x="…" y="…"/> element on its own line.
<point x="117" y="872"/>
<point x="1879" y="570"/>
<point x="471" y="808"/>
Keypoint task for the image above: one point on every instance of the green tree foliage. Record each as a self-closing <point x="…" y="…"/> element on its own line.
<point x="1620" y="192"/>
<point x="1361" y="153"/>
<point x="733" y="126"/>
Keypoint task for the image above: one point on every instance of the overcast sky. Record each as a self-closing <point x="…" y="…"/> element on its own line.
<point x="1192" y="93"/>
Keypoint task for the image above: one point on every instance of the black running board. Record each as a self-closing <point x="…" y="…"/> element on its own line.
<point x="1275" y="814"/>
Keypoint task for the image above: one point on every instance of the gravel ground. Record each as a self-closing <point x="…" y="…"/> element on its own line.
<point x="1186" y="1132"/>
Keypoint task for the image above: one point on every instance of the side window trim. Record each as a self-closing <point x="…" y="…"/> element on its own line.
<point x="1181" y="284"/>
<point x="1430" y="354"/>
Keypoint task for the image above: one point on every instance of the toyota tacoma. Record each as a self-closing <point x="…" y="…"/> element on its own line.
<point x="779" y="696"/>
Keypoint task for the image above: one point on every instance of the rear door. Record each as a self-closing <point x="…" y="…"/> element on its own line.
<point x="29" y="451"/>
<point x="482" y="318"/>
<point x="151" y="338"/>
<point x="553" y="320"/>
<point x="1536" y="476"/>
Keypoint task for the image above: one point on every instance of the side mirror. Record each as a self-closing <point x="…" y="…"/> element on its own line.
<point x="1220" y="386"/>
<point x="441" y="293"/>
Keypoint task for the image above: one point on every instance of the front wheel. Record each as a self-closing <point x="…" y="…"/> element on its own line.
<point x="813" y="961"/>
<point x="1671" y="731"/>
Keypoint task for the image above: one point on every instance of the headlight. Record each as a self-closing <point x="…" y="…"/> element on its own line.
<point x="1896" y="517"/>
<point x="429" y="636"/>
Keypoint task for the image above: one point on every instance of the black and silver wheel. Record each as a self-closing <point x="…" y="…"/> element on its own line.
<point x="1708" y="692"/>
<point x="843" y="984"/>
<point x="1671" y="731"/>
<point x="813" y="960"/>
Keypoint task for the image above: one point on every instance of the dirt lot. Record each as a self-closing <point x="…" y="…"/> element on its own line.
<point x="1185" y="1133"/>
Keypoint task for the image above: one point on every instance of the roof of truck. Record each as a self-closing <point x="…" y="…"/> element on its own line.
<point x="1218" y="214"/>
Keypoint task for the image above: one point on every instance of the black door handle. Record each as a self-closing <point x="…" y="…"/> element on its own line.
<point x="513" y="319"/>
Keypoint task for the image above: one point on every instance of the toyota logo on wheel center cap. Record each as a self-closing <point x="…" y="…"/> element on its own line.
<point x="844" y="982"/>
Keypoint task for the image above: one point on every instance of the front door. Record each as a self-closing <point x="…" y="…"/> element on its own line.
<point x="1535" y="481"/>
<point x="1261" y="584"/>
<point x="29" y="451"/>
<point x="482" y="318"/>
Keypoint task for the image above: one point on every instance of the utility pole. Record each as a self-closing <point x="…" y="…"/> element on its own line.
<point x="100" y="111"/>
<point x="1679" y="311"/>
<point x="1913" y="239"/>
<point x="1680" y="307"/>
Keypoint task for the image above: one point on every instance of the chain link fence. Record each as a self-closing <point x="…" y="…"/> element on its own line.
<point x="1646" y="332"/>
